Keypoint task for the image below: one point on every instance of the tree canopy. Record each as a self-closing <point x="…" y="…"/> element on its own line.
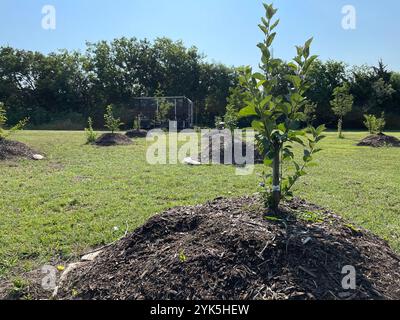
<point x="61" y="90"/>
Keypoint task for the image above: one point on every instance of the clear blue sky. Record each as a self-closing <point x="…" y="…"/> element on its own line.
<point x="225" y="30"/>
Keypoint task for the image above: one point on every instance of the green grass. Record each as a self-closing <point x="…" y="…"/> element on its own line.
<point x="83" y="196"/>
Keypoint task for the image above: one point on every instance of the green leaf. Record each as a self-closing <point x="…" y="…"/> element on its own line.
<point x="320" y="129"/>
<point x="270" y="11"/>
<point x="308" y="43"/>
<point x="274" y="25"/>
<point x="270" y="39"/>
<point x="292" y="66"/>
<point x="268" y="162"/>
<point x="263" y="28"/>
<point x="295" y="80"/>
<point x="265" y="101"/>
<point x="282" y="127"/>
<point x="258" y="76"/>
<point x="247" y="111"/>
<point x="309" y="62"/>
<point x="257" y="125"/>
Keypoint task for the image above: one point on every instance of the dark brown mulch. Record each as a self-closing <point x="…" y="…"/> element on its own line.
<point x="10" y="150"/>
<point x="31" y="288"/>
<point x="379" y="140"/>
<point x="218" y="150"/>
<point x="136" y="133"/>
<point x="225" y="249"/>
<point x="112" y="139"/>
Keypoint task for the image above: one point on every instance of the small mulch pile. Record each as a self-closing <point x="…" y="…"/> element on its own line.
<point x="10" y="150"/>
<point x="136" y="133"/>
<point x="227" y="249"/>
<point x="112" y="139"/>
<point x="379" y="140"/>
<point x="218" y="144"/>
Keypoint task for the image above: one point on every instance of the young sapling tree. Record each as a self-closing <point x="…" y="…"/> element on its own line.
<point x="380" y="123"/>
<point x="275" y="116"/>
<point x="163" y="108"/>
<point x="370" y="123"/>
<point x="342" y="104"/>
<point x="375" y="125"/>
<point x="111" y="123"/>
<point x="90" y="134"/>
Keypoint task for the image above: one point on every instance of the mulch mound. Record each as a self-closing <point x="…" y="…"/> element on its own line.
<point x="215" y="150"/>
<point x="112" y="139"/>
<point x="10" y="150"/>
<point x="226" y="249"/>
<point x="136" y="133"/>
<point x="379" y="140"/>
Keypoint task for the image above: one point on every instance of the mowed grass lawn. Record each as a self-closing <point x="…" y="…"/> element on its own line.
<point x="83" y="196"/>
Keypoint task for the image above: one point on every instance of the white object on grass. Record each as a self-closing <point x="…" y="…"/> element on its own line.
<point x="191" y="162"/>
<point x="37" y="157"/>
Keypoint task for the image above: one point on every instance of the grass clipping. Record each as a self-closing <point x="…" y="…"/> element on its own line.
<point x="226" y="249"/>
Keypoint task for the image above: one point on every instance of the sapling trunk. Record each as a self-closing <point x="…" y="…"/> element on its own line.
<point x="276" y="183"/>
<point x="340" y="126"/>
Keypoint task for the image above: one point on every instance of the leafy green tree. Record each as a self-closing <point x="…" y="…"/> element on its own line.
<point x="275" y="116"/>
<point x="342" y="104"/>
<point x="111" y="122"/>
<point x="324" y="77"/>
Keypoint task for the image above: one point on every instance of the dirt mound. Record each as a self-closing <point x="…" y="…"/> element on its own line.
<point x="225" y="249"/>
<point x="379" y="140"/>
<point x="112" y="139"/>
<point x="218" y="149"/>
<point x="13" y="149"/>
<point x="136" y="133"/>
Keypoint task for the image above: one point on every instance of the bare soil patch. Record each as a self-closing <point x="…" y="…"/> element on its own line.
<point x="228" y="249"/>
<point x="136" y="133"/>
<point x="379" y="140"/>
<point x="10" y="150"/>
<point x="113" y="139"/>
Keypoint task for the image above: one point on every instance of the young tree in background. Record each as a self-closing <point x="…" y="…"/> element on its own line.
<point x="342" y="104"/>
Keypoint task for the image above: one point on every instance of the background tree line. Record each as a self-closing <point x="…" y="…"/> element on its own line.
<point x="61" y="90"/>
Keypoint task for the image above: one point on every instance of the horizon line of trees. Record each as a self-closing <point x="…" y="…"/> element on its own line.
<point x="61" y="90"/>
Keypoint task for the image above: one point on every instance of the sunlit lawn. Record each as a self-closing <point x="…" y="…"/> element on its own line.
<point x="83" y="196"/>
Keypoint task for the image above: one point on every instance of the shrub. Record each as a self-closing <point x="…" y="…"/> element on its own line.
<point x="91" y="136"/>
<point x="374" y="124"/>
<point x="275" y="116"/>
<point x="112" y="123"/>
<point x="4" y="134"/>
